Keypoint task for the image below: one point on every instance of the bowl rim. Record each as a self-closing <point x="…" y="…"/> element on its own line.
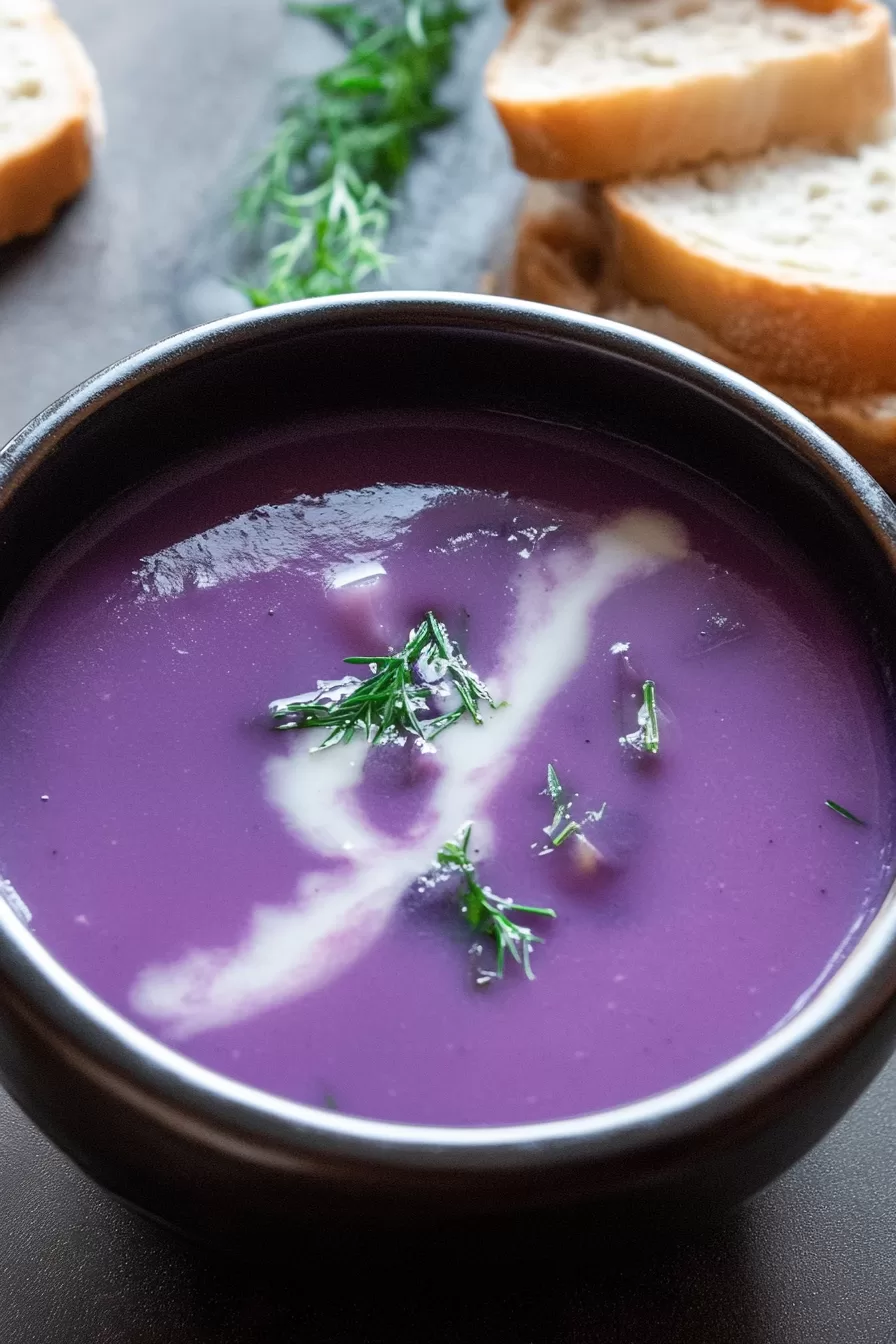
<point x="155" y="1074"/>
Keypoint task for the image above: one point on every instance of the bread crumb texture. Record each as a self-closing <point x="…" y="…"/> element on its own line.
<point x="792" y="214"/>
<point x="566" y="47"/>
<point x="596" y="90"/>
<point x="560" y="227"/>
<point x="789" y="260"/>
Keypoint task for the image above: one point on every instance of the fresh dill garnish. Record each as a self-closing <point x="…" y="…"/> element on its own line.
<point x="646" y="736"/>
<point x="321" y="194"/>
<point x="488" y="914"/>
<point x="561" y="806"/>
<point x="842" y="812"/>
<point x="388" y="705"/>
<point x="563" y="826"/>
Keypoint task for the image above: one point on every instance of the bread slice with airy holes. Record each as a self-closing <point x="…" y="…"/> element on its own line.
<point x="789" y="260"/>
<point x="50" y="113"/>
<point x="562" y="258"/>
<point x="591" y="90"/>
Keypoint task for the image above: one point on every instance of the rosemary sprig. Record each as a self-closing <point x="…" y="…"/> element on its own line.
<point x="388" y="705"/>
<point x="322" y="191"/>
<point x="646" y="736"/>
<point x="488" y="914"/>
<point x="842" y="812"/>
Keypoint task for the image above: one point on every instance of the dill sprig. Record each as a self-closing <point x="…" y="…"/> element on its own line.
<point x="563" y="826"/>
<point x="842" y="812"/>
<point x="322" y="191"/>
<point x="490" y="915"/>
<point x="388" y="705"/>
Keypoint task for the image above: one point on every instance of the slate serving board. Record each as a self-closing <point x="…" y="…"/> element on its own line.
<point x="190" y="88"/>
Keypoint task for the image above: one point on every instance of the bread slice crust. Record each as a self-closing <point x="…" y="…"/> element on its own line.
<point x="560" y="243"/>
<point x="795" y="326"/>
<point x="36" y="179"/>
<point x="831" y="96"/>
<point x="865" y="425"/>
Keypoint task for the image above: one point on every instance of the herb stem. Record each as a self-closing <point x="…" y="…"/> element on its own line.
<point x="650" y="727"/>
<point x="323" y="190"/>
<point x="563" y="825"/>
<point x="646" y="736"/>
<point x="387" y="706"/>
<point x="842" y="812"/>
<point x="569" y="829"/>
<point x="488" y="914"/>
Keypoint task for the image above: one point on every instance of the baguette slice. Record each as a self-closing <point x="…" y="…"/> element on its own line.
<point x="788" y="260"/>
<point x="560" y="253"/>
<point x="561" y="259"/>
<point x="50" y="112"/>
<point x="600" y="89"/>
<point x="865" y="425"/>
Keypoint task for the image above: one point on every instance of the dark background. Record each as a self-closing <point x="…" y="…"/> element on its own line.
<point x="190" y="88"/>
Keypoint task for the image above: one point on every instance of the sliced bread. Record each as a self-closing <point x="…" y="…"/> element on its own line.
<point x="560" y="252"/>
<point x="600" y="89"/>
<point x="49" y="115"/>
<point x="865" y="425"/>
<point x="788" y="260"/>
<point x="561" y="258"/>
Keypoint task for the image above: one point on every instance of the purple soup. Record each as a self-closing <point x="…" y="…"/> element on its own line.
<point x="273" y="907"/>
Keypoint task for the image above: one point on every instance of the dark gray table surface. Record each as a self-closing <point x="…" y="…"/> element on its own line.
<point x="189" y="87"/>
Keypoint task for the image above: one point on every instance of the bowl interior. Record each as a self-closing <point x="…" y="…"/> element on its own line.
<point x="192" y="394"/>
<point x="203" y="390"/>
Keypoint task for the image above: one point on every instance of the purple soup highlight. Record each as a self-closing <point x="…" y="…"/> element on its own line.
<point x="272" y="909"/>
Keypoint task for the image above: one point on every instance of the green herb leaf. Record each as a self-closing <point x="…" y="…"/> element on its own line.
<point x="388" y="705"/>
<point x="562" y="826"/>
<point x="646" y="736"/>
<point x="487" y="914"/>
<point x="323" y="190"/>
<point x="842" y="812"/>
<point x="561" y="807"/>
<point x="569" y="829"/>
<point x="650" y="727"/>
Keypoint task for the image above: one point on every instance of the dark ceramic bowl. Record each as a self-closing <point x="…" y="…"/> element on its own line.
<point x="217" y="1157"/>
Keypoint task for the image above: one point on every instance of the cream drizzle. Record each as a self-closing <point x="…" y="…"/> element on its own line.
<point x="291" y="950"/>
